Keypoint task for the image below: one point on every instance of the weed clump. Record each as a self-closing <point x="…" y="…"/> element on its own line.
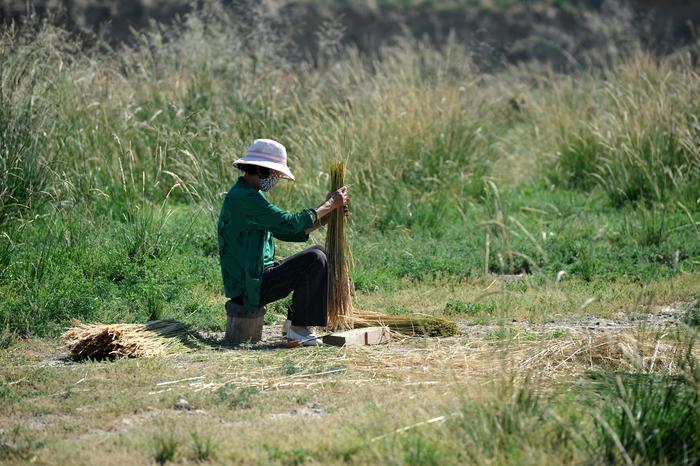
<point x="294" y="456"/>
<point x="18" y="445"/>
<point x="237" y="397"/>
<point x="503" y="428"/>
<point x="692" y="316"/>
<point x="458" y="307"/>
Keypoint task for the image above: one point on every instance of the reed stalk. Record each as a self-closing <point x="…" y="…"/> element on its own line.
<point x="341" y="315"/>
<point x="339" y="296"/>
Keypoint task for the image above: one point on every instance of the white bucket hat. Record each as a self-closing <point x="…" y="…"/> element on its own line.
<point x="267" y="153"/>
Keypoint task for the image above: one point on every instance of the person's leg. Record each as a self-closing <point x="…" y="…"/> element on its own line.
<point x="306" y="274"/>
<point x="310" y="300"/>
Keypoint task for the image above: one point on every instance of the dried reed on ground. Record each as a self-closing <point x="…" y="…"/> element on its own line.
<point x="155" y="338"/>
<point x="450" y="360"/>
<point x="340" y="311"/>
<point x="339" y="298"/>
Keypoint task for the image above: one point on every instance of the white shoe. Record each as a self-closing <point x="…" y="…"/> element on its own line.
<point x="302" y="335"/>
<point x="285" y="327"/>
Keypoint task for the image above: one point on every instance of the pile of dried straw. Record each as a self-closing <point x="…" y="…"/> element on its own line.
<point x="155" y="338"/>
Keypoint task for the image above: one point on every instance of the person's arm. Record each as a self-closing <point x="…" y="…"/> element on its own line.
<point x="263" y="215"/>
<point x="334" y="200"/>
<point x="292" y="237"/>
<point x="324" y="221"/>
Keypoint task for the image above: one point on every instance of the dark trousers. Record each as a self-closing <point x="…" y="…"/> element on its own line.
<point x="305" y="274"/>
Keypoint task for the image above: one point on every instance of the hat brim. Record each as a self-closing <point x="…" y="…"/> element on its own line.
<point x="282" y="169"/>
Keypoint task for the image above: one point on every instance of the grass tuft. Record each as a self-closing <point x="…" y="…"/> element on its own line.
<point x="202" y="448"/>
<point x="164" y="448"/>
<point x="649" y="418"/>
<point x="692" y="316"/>
<point x="18" y="445"/>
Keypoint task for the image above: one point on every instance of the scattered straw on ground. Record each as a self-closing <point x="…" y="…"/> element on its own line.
<point x="456" y="360"/>
<point x="444" y="361"/>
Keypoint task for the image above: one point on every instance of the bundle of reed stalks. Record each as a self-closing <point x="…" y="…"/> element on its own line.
<point x="155" y="338"/>
<point x="340" y="310"/>
<point x="339" y="296"/>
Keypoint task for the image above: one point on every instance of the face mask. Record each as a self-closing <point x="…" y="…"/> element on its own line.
<point x="268" y="183"/>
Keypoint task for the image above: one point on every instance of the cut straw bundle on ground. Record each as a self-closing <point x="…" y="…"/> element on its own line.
<point x="155" y="338"/>
<point x="341" y="315"/>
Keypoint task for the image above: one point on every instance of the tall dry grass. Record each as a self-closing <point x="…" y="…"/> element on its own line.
<point x="633" y="131"/>
<point x="176" y="107"/>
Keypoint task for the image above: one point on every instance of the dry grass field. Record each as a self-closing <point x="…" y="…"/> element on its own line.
<point x="553" y="216"/>
<point x="505" y="390"/>
<point x="414" y="401"/>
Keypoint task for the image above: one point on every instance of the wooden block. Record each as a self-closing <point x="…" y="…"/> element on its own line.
<point x="240" y="330"/>
<point x="359" y="337"/>
<point x="241" y="326"/>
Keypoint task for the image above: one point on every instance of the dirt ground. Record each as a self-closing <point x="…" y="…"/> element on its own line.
<point x="56" y="411"/>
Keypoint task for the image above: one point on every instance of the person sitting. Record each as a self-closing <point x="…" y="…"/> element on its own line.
<point x="247" y="224"/>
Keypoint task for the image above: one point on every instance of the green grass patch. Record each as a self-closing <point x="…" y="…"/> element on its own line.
<point x="650" y="418"/>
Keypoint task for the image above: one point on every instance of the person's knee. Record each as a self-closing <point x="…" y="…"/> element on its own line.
<point x="320" y="248"/>
<point x="318" y="254"/>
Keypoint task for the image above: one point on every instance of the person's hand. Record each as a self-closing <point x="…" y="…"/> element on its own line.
<point x="339" y="198"/>
<point x="335" y="200"/>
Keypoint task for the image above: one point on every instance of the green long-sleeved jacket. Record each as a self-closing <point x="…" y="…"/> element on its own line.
<point x="247" y="223"/>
